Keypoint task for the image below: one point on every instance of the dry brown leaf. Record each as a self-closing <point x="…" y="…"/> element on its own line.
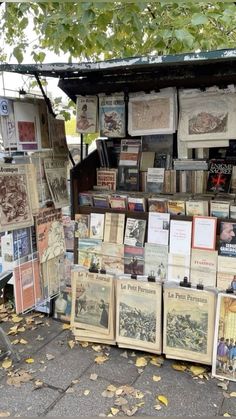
<point x="23" y="342"/>
<point x="50" y="357"/>
<point x="140" y="404"/>
<point x="7" y="363"/>
<point x="114" y="411"/>
<point x="163" y="399"/>
<point x="158" y="407"/>
<point x="29" y="360"/>
<point x="17" y="378"/>
<point x="223" y="385"/>
<point x="75" y="381"/>
<point x="141" y="362"/>
<point x="131" y="411"/>
<point x="84" y="344"/>
<point x="227" y="415"/>
<point x="179" y="367"/>
<point x="124" y="354"/>
<point x="107" y="394"/>
<point x="128" y="389"/>
<point x="196" y="370"/>
<point x="101" y="359"/>
<point x="70" y="390"/>
<point x="119" y="391"/>
<point x="139" y="395"/>
<point x="21" y="329"/>
<point x="233" y="394"/>
<point x="4" y="414"/>
<point x="16" y="319"/>
<point x="120" y="401"/>
<point x="97" y="348"/>
<point x="66" y="326"/>
<point x="111" y="388"/>
<point x="93" y="377"/>
<point x="226" y="395"/>
<point x="156" y="378"/>
<point x="71" y="344"/>
<point x="38" y="383"/>
<point x="86" y="392"/>
<point x="13" y="330"/>
<point x="15" y="342"/>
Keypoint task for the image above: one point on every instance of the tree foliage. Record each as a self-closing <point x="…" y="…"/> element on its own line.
<point x="102" y="30"/>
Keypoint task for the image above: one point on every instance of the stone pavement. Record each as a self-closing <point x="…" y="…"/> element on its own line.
<point x="60" y="381"/>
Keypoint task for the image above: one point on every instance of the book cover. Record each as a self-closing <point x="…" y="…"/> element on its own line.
<point x="112" y="115"/>
<point x="90" y="253"/>
<point x="86" y="114"/>
<point x="155" y="179"/>
<point x="96" y="230"/>
<point x="219" y="177"/>
<point x="118" y="202"/>
<point x="27" y="290"/>
<point x="130" y="152"/>
<point x="226" y="273"/>
<point x="114" y="228"/>
<point x="189" y="318"/>
<point x="22" y="243"/>
<point x="107" y="177"/>
<point x="176" y="207"/>
<point x="56" y="175"/>
<point x="204" y="233"/>
<point x="37" y="159"/>
<point x="197" y="208"/>
<point x="156" y="260"/>
<point x="138" y="313"/>
<point x="136" y="204"/>
<point x="135" y="232"/>
<point x="81" y="226"/>
<point x="227" y="243"/>
<point x="180" y="237"/>
<point x="27" y="126"/>
<point x="113" y="257"/>
<point x="224" y="354"/>
<point x="158" y="228"/>
<point x="69" y="231"/>
<point x="133" y="260"/>
<point x="157" y="205"/>
<point x="50" y="234"/>
<point x="128" y="178"/>
<point x="101" y="201"/>
<point x="85" y="199"/>
<point x="203" y="267"/>
<point x="147" y="160"/>
<point x="219" y="209"/>
<point x="178" y="267"/>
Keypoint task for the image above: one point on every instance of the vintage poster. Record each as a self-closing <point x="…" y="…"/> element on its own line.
<point x="27" y="288"/>
<point x="81" y="226"/>
<point x="158" y="228"/>
<point x="133" y="260"/>
<point x="86" y="114"/>
<point x="156" y="260"/>
<point x="50" y="234"/>
<point x="52" y="275"/>
<point x="92" y="301"/>
<point x="207" y="115"/>
<point x="113" y="257"/>
<point x="203" y="267"/>
<point x="44" y="194"/>
<point x="189" y="319"/>
<point x="8" y="128"/>
<point x="57" y="136"/>
<point x="114" y="228"/>
<point x="96" y="226"/>
<point x="224" y="355"/>
<point x="56" y="175"/>
<point x="178" y="267"/>
<point x="227" y="244"/>
<point x="138" y="313"/>
<point x="112" y="116"/>
<point x="107" y="177"/>
<point x="180" y="237"/>
<point x="226" y="273"/>
<point x="15" y="206"/>
<point x="27" y="125"/>
<point x="69" y="228"/>
<point x="204" y="233"/>
<point x="135" y="232"/>
<point x="152" y="113"/>
<point x="90" y="253"/>
<point x="62" y="306"/>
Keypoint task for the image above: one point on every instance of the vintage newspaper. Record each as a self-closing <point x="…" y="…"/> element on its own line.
<point x="138" y="313"/>
<point x="50" y="234"/>
<point x="112" y="115"/>
<point x="37" y="159"/>
<point x="56" y="174"/>
<point x="57" y="136"/>
<point x="92" y="302"/>
<point x="188" y="326"/>
<point x="224" y="354"/>
<point x="15" y="205"/>
<point x="86" y="114"/>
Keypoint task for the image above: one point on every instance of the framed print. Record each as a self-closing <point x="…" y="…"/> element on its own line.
<point x="204" y="233"/>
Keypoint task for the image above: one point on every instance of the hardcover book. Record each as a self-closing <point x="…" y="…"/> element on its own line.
<point x="219" y="177"/>
<point x="156" y="260"/>
<point x="138" y="313"/>
<point x="135" y="232"/>
<point x="133" y="260"/>
<point x="114" y="228"/>
<point x="158" y="228"/>
<point x="86" y="114"/>
<point x="189" y="316"/>
<point x="180" y="237"/>
<point x="56" y="174"/>
<point x="203" y="267"/>
<point x="96" y="226"/>
<point x="136" y="204"/>
<point x="227" y="243"/>
<point x="112" y="115"/>
<point x="225" y="337"/>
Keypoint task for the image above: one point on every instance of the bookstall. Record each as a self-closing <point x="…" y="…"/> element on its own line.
<point x="155" y="205"/>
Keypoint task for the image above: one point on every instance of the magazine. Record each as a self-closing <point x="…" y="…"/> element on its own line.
<point x="86" y="114"/>
<point x="27" y="286"/>
<point x="81" y="226"/>
<point x="112" y="115"/>
<point x="156" y="260"/>
<point x="44" y="194"/>
<point x="113" y="257"/>
<point x="69" y="228"/>
<point x="56" y="174"/>
<point x="224" y="354"/>
<point x="133" y="260"/>
<point x="90" y="253"/>
<point x="135" y="232"/>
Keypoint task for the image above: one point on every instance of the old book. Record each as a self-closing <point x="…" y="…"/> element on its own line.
<point x="219" y="176"/>
<point x="85" y="199"/>
<point x="50" y="234"/>
<point x="135" y="232"/>
<point x="92" y="302"/>
<point x="227" y="243"/>
<point x="157" y="205"/>
<point x="147" y="160"/>
<point x="112" y="115"/>
<point x="133" y="260"/>
<point x="130" y="152"/>
<point x="62" y="305"/>
<point x="96" y="230"/>
<point x="118" y="202"/>
<point x="113" y="257"/>
<point x="86" y="114"/>
<point x="81" y="226"/>
<point x="204" y="233"/>
<point x="138" y="313"/>
<point x="203" y="267"/>
<point x="178" y="266"/>
<point x="15" y="205"/>
<point x="219" y="209"/>
<point x="114" y="228"/>
<point x="197" y="208"/>
<point x="232" y="211"/>
<point x="27" y="290"/>
<point x="158" y="228"/>
<point x="223" y="365"/>
<point x="189" y="316"/>
<point x="128" y="178"/>
<point x="156" y="260"/>
<point x="155" y="179"/>
<point x="180" y="237"/>
<point x="27" y="126"/>
<point x="101" y="201"/>
<point x="107" y="177"/>
<point x="56" y="174"/>
<point x="69" y="232"/>
<point x="136" y="204"/>
<point x="176" y="207"/>
<point x="90" y="253"/>
<point x="226" y="272"/>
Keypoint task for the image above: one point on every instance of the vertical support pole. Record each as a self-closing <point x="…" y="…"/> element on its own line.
<point x="81" y="147"/>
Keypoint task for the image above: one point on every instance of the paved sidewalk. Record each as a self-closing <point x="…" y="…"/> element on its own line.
<point x="60" y="381"/>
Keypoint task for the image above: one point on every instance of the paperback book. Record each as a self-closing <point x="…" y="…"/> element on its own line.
<point x="203" y="267"/>
<point x="90" y="252"/>
<point x="113" y="257"/>
<point x="219" y="177"/>
<point x="156" y="261"/>
<point x="158" y="228"/>
<point x="135" y="232"/>
<point x="96" y="226"/>
<point x="114" y="228"/>
<point x="227" y="243"/>
<point x="133" y="260"/>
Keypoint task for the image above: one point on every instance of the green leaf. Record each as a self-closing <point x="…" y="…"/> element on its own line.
<point x="199" y="19"/>
<point x="18" y="54"/>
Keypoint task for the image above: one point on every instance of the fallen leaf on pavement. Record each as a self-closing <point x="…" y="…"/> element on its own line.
<point x="119" y="391"/>
<point x="16" y="319"/>
<point x="196" y="370"/>
<point x="71" y="344"/>
<point x="131" y="411"/>
<point x="114" y="411"/>
<point x="39" y="338"/>
<point x="223" y="385"/>
<point x="70" y="390"/>
<point x="84" y="344"/>
<point x="158" y="407"/>
<point x="179" y="367"/>
<point x="75" y="381"/>
<point x="100" y="359"/>
<point x="38" y="383"/>
<point x="139" y="395"/>
<point x="141" y="362"/>
<point x="15" y="341"/>
<point x="50" y="357"/>
<point x="17" y="378"/>
<point x="4" y="414"/>
<point x="120" y="401"/>
<point x="226" y="395"/>
<point x="124" y="354"/>
<point x="29" y="360"/>
<point x="86" y="392"/>
<point x="7" y="363"/>
<point x="97" y="348"/>
<point x="23" y="342"/>
<point x="163" y="400"/>
<point x="227" y="415"/>
<point x="156" y="378"/>
<point x="111" y="388"/>
<point x="66" y="326"/>
<point x="107" y="394"/>
<point x="93" y="377"/>
<point x="21" y="329"/>
<point x="13" y="330"/>
<point x="233" y="394"/>
<point x="140" y="404"/>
